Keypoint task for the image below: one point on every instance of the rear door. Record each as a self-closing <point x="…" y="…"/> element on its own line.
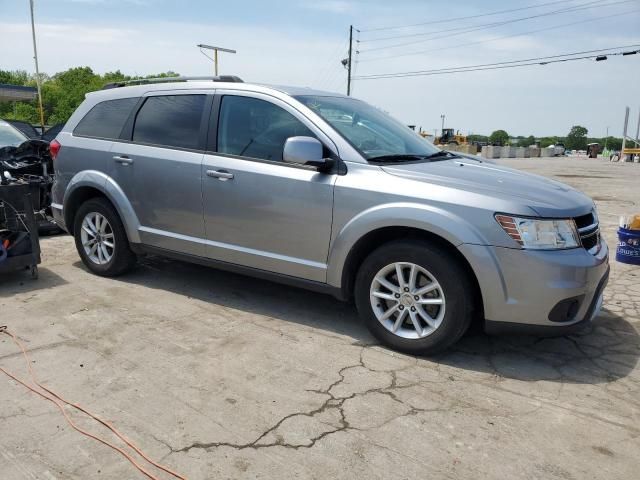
<point x="259" y="211"/>
<point x="89" y="147"/>
<point x="158" y="165"/>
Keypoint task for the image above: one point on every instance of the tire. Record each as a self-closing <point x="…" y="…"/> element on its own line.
<point x="437" y="269"/>
<point x="116" y="258"/>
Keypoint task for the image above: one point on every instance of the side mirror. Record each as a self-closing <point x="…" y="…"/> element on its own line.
<point x="305" y="151"/>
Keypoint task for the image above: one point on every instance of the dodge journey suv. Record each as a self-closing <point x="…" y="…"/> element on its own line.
<point x="325" y="192"/>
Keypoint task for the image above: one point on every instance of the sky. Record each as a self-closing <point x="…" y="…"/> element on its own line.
<point x="301" y="42"/>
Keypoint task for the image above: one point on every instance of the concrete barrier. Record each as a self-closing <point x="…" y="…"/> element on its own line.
<point x="452" y="147"/>
<point x="508" y="152"/>
<point x="522" y="152"/>
<point x="546" y="152"/>
<point x="489" y="151"/>
<point x="534" y="152"/>
<point x="469" y="149"/>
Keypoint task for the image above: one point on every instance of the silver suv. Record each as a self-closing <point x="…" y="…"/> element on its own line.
<point x="326" y="192"/>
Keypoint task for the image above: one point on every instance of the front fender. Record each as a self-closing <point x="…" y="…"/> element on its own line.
<point x="110" y="189"/>
<point x="403" y="214"/>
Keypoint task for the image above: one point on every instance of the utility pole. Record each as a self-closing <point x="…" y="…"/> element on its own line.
<point x="606" y="139"/>
<point x="215" y="54"/>
<point x="349" y="64"/>
<point x="35" y="57"/>
<point x="442" y="128"/>
<point x="624" y="132"/>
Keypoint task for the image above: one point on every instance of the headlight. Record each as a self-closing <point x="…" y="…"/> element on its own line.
<point x="540" y="234"/>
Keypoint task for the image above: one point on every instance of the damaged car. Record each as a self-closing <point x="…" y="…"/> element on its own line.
<point x="24" y="155"/>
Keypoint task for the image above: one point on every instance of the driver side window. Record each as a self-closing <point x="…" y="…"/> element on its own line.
<point x="250" y="127"/>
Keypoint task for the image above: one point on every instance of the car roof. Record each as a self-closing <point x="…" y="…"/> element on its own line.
<point x="295" y="91"/>
<point x="137" y="90"/>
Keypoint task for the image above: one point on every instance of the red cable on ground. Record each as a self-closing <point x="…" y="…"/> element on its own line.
<point x="59" y="402"/>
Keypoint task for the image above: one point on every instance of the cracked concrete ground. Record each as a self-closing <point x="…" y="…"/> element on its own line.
<point x="223" y="376"/>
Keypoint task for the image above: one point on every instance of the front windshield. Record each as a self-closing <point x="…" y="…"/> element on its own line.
<point x="9" y="136"/>
<point x="371" y="131"/>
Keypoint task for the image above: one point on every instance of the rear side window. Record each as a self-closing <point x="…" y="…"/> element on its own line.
<point x="106" y="119"/>
<point x="171" y="120"/>
<point x="255" y="128"/>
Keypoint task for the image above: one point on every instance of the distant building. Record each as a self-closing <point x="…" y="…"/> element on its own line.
<point x="17" y="93"/>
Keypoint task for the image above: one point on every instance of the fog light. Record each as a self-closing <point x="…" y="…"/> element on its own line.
<point x="566" y="310"/>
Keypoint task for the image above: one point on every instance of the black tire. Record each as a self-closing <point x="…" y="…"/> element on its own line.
<point x="123" y="259"/>
<point x="456" y="285"/>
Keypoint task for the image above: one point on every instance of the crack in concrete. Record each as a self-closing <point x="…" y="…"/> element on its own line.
<point x="334" y="402"/>
<point x="330" y="402"/>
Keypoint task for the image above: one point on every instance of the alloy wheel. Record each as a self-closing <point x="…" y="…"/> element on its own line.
<point x="97" y="238"/>
<point x="407" y="300"/>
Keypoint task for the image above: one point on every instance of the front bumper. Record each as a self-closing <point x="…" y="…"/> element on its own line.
<point x="520" y="288"/>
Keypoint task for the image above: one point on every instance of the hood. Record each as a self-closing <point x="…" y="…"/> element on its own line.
<point x="26" y="158"/>
<point x="548" y="198"/>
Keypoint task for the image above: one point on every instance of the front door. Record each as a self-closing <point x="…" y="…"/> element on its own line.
<point x="259" y="211"/>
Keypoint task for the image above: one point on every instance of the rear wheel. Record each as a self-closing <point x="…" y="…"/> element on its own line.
<point x="101" y="239"/>
<point x="414" y="296"/>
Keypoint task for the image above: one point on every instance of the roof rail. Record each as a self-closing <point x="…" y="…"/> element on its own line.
<point x="145" y="81"/>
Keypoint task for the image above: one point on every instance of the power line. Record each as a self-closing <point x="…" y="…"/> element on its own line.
<point x="421" y="34"/>
<point x="330" y="65"/>
<point x="591" y="4"/>
<point x="508" y="64"/>
<point x="448" y="20"/>
<point x="478" y="42"/>
<point x="511" y="61"/>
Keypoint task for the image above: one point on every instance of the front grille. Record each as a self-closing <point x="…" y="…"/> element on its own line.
<point x="585" y="220"/>
<point x="589" y="231"/>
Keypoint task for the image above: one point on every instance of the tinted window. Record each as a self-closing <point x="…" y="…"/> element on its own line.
<point x="106" y="119"/>
<point x="255" y="128"/>
<point x="172" y="120"/>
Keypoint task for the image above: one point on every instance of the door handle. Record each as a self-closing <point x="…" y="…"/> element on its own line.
<point x="220" y="174"/>
<point x="123" y="160"/>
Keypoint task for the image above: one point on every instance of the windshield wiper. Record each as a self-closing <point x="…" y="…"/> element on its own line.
<point x="441" y="154"/>
<point x="408" y="157"/>
<point x="399" y="157"/>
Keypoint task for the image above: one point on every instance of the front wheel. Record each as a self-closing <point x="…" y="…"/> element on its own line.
<point x="414" y="296"/>
<point x="101" y="239"/>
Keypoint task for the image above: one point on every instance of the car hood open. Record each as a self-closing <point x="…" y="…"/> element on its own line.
<point x="548" y="198"/>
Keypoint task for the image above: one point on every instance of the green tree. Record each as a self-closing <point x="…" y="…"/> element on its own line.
<point x="499" y="137"/>
<point x="16" y="77"/>
<point x="477" y="138"/>
<point x="612" y="143"/>
<point x="546" y="141"/>
<point x="61" y="93"/>
<point x="528" y="141"/>
<point x="577" y="138"/>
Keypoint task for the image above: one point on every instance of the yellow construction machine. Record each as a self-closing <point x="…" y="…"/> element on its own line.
<point x="448" y="137"/>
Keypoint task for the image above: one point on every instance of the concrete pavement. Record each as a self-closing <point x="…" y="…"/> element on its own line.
<point x="223" y="376"/>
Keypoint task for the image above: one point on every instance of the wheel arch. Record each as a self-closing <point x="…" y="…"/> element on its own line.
<point x="368" y="231"/>
<point x="90" y="184"/>
<point x="376" y="238"/>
